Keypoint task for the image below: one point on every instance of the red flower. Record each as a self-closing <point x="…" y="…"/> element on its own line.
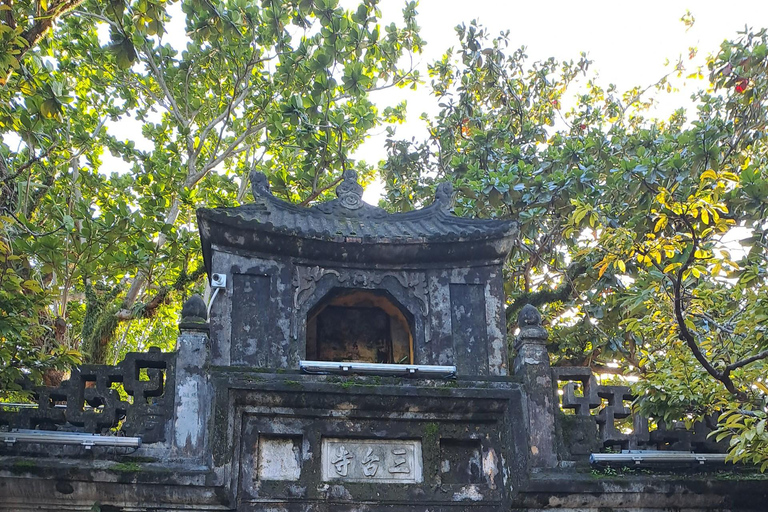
<point x="465" y="131"/>
<point x="742" y="84"/>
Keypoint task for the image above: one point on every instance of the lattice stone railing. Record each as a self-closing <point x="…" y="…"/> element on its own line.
<point x="90" y="401"/>
<point x="607" y="406"/>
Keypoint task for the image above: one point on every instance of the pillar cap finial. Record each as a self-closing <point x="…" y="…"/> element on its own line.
<point x="531" y="331"/>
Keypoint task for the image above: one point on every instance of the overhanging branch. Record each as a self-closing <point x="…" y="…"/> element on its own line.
<point x="537" y="298"/>
<point x="685" y="334"/>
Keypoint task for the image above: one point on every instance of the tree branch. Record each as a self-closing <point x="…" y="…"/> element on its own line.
<point x="317" y="193"/>
<point x="194" y="178"/>
<point x="29" y="231"/>
<point x="147" y="309"/>
<point x="745" y="362"/>
<point x="161" y="82"/>
<point x="42" y="23"/>
<point x="722" y="327"/>
<point x="29" y="163"/>
<point x="221" y="117"/>
<point x="537" y="298"/>
<point x="686" y="335"/>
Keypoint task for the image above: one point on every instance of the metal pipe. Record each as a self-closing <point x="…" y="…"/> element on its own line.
<point x="639" y="457"/>
<point x="412" y="370"/>
<point x="53" y="437"/>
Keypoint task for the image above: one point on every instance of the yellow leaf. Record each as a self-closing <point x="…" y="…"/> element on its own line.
<point x="32" y="286"/>
<point x="705" y="216"/>
<point x="762" y="387"/>
<point x="621" y="266"/>
<point x="602" y="270"/>
<point x="709" y="173"/>
<point x="661" y="223"/>
<point x="579" y="214"/>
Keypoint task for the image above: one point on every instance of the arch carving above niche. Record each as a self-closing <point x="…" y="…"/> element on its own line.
<point x="411" y="289"/>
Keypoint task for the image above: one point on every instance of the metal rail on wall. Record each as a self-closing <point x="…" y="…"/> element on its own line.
<point x="640" y="457"/>
<point x="51" y="437"/>
<point x="395" y="370"/>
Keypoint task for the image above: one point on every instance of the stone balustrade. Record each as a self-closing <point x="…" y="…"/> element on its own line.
<point x="606" y="411"/>
<point x="90" y="402"/>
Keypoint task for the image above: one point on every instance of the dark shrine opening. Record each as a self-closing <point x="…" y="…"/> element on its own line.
<point x="362" y="326"/>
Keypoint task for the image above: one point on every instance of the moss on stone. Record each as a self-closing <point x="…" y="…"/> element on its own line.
<point x="430" y="432"/>
<point x="23" y="466"/>
<point x="126" y="467"/>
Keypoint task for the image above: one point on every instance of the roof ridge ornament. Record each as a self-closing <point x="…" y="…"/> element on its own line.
<point x="444" y="195"/>
<point x="259" y="184"/>
<point x="349" y="191"/>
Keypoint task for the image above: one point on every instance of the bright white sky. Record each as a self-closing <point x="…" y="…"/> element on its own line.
<point x="628" y="42"/>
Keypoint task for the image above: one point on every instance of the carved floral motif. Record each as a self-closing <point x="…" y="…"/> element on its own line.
<point x="305" y="281"/>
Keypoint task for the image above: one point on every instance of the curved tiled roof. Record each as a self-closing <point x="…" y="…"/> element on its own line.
<point x="346" y="220"/>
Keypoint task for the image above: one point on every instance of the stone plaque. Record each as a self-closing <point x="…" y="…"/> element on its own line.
<point x="387" y="461"/>
<point x="279" y="458"/>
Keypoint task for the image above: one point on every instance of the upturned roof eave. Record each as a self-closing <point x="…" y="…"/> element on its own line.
<point x="252" y="237"/>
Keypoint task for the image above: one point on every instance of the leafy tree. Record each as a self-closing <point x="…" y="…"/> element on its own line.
<point x="627" y="222"/>
<point x="23" y="24"/>
<point x="98" y="252"/>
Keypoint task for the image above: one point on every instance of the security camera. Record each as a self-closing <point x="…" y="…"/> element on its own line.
<point x="219" y="281"/>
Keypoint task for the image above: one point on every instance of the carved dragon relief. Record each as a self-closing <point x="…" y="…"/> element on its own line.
<point x="305" y="281"/>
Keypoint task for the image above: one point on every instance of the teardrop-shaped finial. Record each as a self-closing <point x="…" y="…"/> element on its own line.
<point x="194" y="307"/>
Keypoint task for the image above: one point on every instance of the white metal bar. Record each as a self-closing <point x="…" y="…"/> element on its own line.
<point x="423" y="370"/>
<point x="52" y="437"/>
<point x="639" y="457"/>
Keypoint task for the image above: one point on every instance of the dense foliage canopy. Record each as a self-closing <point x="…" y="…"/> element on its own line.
<point x="644" y="241"/>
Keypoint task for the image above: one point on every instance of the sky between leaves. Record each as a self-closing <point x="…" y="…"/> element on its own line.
<point x="631" y="43"/>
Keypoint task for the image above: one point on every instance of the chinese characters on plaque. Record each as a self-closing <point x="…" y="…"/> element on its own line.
<point x="380" y="460"/>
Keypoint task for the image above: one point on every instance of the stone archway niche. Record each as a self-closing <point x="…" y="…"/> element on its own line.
<point x="359" y="325"/>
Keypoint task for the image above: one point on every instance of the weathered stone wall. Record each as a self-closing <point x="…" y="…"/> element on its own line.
<point x="260" y="320"/>
<point x="450" y="424"/>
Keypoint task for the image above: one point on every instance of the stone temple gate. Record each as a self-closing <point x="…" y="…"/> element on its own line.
<point x="353" y="360"/>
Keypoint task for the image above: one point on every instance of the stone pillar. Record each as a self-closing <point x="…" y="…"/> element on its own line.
<point x="193" y="390"/>
<point x="532" y="365"/>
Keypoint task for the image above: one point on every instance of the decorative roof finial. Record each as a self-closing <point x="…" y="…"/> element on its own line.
<point x="444" y="195"/>
<point x="349" y="191"/>
<point x="259" y="184"/>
